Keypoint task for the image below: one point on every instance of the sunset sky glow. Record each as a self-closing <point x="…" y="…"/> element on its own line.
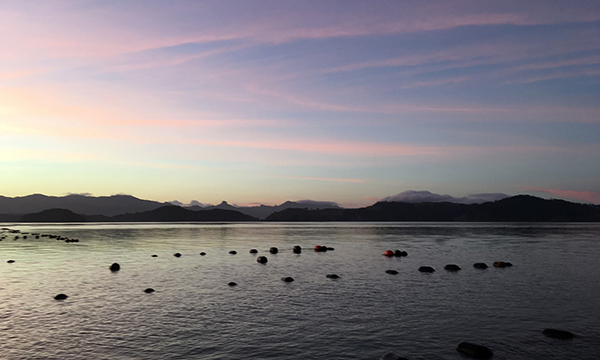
<point x="255" y="101"/>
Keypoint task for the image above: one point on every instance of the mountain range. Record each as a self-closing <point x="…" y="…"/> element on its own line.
<point x="521" y="208"/>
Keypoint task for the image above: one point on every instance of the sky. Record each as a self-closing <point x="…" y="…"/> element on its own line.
<point x="255" y="101"/>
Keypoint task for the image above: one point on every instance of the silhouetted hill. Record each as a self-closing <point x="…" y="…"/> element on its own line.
<point x="80" y="204"/>
<point x="53" y="215"/>
<point x="522" y="208"/>
<point x="262" y="211"/>
<point x="176" y="213"/>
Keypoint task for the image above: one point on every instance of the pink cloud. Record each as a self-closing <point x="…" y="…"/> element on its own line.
<point x="343" y="180"/>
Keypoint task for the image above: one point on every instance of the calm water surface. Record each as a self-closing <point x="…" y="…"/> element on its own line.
<point x="194" y="314"/>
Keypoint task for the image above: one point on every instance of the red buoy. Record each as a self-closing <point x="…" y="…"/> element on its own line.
<point x="388" y="253"/>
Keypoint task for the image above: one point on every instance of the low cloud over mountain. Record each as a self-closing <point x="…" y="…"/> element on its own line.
<point x="412" y="196"/>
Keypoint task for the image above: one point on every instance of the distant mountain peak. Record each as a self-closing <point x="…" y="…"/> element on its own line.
<point x="420" y="196"/>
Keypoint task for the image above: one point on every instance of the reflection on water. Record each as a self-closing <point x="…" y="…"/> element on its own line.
<point x="365" y="313"/>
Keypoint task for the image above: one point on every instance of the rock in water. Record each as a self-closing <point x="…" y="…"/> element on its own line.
<point x="10" y="261"/>
<point x="474" y="350"/>
<point x="392" y="356"/>
<point x="452" y="267"/>
<point x="558" y="334"/>
<point x="427" y="269"/>
<point x="115" y="267"/>
<point x="60" y="297"/>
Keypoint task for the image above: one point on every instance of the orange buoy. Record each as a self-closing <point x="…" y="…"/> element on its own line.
<point x="388" y="253"/>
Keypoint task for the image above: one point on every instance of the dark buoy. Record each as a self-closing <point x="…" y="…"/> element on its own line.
<point x="297" y="249"/>
<point x="474" y="350"/>
<point x="499" y="264"/>
<point x="154" y="255"/>
<point x="10" y="261"/>
<point x="558" y="334"/>
<point x="233" y="252"/>
<point x="452" y="267"/>
<point x="391" y="272"/>
<point x="253" y="251"/>
<point x="232" y="284"/>
<point x="273" y="250"/>
<point x="389" y="253"/>
<point x="397" y="253"/>
<point x="261" y="259"/>
<point x="287" y="279"/>
<point x="202" y="253"/>
<point x="392" y="356"/>
<point x="507" y="264"/>
<point x="330" y="248"/>
<point x="320" y="248"/>
<point x="426" y="269"/>
<point x="60" y="297"/>
<point x="480" y="266"/>
<point x="404" y="253"/>
<point x="177" y="255"/>
<point x="149" y="290"/>
<point x="332" y="276"/>
<point x="115" y="267"/>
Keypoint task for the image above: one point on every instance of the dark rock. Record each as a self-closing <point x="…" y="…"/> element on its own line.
<point x="332" y="276"/>
<point x="115" y="267"/>
<point x="60" y="297"/>
<point x="177" y="255"/>
<point x="558" y="334"/>
<point x="232" y="284"/>
<point x="10" y="261"/>
<point x="273" y="250"/>
<point x="392" y="356"/>
<point x="233" y="252"/>
<point x="480" y="266"/>
<point x="287" y="279"/>
<point x="452" y="267"/>
<point x="426" y="269"/>
<point x="391" y="272"/>
<point x="261" y="259"/>
<point x="474" y="350"/>
<point x="253" y="251"/>
<point x="149" y="290"/>
<point x="297" y="249"/>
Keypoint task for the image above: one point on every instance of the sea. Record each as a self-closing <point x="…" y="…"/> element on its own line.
<point x="195" y="314"/>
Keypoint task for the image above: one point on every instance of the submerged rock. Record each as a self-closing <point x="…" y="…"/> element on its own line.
<point x="474" y="350"/>
<point x="115" y="267"/>
<point x="426" y="269"/>
<point x="392" y="356"/>
<point x="60" y="297"/>
<point x="558" y="334"/>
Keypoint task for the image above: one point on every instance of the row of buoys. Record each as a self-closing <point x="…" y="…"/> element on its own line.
<point x="322" y="248"/>
<point x="454" y="267"/>
<point x="37" y="236"/>
<point x="397" y="253"/>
